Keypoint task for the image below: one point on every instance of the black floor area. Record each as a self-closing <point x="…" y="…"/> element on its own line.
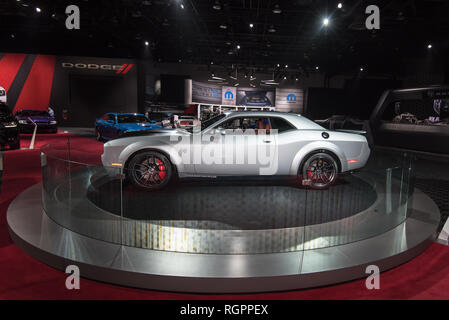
<point x="238" y="204"/>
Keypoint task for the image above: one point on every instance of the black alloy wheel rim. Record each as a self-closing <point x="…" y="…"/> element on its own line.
<point x="150" y="172"/>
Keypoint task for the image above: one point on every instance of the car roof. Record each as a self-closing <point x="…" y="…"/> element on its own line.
<point x="296" y="119"/>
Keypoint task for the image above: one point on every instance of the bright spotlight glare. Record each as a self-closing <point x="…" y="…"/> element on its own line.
<point x="326" y="22"/>
<point x="340" y="5"/>
<point x="429" y="46"/>
<point x="38" y="9"/>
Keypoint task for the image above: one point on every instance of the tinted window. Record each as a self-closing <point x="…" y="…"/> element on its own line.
<point x="246" y="123"/>
<point x="4" y="109"/>
<point x="111" y="117"/>
<point x="281" y="125"/>
<point x="211" y="121"/>
<point x="131" y="119"/>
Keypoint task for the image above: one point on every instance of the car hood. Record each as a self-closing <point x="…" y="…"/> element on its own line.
<point x="148" y="135"/>
<point x="138" y="126"/>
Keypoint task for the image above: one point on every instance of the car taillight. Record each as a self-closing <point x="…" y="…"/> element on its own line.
<point x="185" y="123"/>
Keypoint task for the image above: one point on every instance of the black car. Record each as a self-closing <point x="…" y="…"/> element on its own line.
<point x="9" y="131"/>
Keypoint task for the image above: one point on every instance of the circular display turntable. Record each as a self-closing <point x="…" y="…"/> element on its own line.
<point x="222" y="236"/>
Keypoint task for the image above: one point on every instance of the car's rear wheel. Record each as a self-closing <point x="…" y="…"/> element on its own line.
<point x="320" y="170"/>
<point x="150" y="170"/>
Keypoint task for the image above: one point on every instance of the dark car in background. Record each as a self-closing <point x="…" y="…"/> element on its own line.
<point x="44" y="121"/>
<point x="9" y="131"/>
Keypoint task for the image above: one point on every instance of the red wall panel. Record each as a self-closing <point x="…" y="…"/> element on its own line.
<point x="9" y="66"/>
<point x="37" y="89"/>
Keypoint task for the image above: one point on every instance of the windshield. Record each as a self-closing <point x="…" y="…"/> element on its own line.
<point x="131" y="118"/>
<point x="206" y="124"/>
<point x="4" y="109"/>
<point x="33" y="113"/>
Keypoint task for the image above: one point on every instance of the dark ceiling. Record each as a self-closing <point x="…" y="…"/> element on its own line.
<point x="205" y="32"/>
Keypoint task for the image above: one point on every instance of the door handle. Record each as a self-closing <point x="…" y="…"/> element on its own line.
<point x="268" y="141"/>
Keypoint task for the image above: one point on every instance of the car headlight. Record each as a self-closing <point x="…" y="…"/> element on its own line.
<point x="23" y="122"/>
<point x="53" y="122"/>
<point x="10" y="124"/>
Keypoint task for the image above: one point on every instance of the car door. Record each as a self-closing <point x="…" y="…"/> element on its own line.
<point x="229" y="149"/>
<point x="109" y="126"/>
<point x="287" y="139"/>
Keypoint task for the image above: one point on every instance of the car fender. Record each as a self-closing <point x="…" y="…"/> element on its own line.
<point x="156" y="145"/>
<point x="314" y="147"/>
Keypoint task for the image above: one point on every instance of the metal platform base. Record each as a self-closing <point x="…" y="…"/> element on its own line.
<point x="56" y="246"/>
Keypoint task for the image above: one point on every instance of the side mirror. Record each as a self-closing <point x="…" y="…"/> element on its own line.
<point x="221" y="131"/>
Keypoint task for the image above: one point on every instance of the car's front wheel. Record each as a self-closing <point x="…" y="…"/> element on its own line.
<point x="150" y="170"/>
<point x="320" y="170"/>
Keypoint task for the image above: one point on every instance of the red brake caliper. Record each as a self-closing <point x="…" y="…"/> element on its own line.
<point x="161" y="169"/>
<point x="310" y="174"/>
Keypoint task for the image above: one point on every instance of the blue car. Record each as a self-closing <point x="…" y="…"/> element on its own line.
<point x="114" y="125"/>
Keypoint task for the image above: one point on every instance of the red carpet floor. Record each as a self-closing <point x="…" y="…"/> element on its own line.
<point x="22" y="277"/>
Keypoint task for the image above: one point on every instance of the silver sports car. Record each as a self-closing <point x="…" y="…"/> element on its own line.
<point x="238" y="144"/>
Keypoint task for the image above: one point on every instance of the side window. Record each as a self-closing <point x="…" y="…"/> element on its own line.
<point x="281" y="125"/>
<point x="245" y="123"/>
<point x="111" y="117"/>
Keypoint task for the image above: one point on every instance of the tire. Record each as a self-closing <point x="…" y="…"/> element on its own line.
<point x="150" y="170"/>
<point x="321" y="169"/>
<point x="98" y="135"/>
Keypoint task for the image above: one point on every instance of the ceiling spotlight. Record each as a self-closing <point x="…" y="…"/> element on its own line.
<point x="217" y="5"/>
<point x="182" y="5"/>
<point x="147" y="43"/>
<point x="317" y="68"/>
<point x="361" y="69"/>
<point x="251" y="25"/>
<point x="285" y="78"/>
<point x="12" y="35"/>
<point x="340" y="5"/>
<point x="238" y="47"/>
<point x="296" y="79"/>
<point x="429" y="46"/>
<point x="179" y="60"/>
<point x="326" y="22"/>
<point x="276" y="9"/>
<point x="223" y="26"/>
<point x="211" y="62"/>
<point x="278" y="65"/>
<point x="38" y="9"/>
<point x="286" y="66"/>
<point x="272" y="29"/>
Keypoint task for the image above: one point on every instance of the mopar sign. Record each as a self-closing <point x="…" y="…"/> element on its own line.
<point x="229" y="95"/>
<point x="291" y="98"/>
